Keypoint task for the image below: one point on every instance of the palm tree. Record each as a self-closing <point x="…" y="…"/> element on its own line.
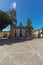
<point x="12" y="14"/>
<point x="29" y="27"/>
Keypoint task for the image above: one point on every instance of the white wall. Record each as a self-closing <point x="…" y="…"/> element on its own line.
<point x="18" y="32"/>
<point x="23" y="32"/>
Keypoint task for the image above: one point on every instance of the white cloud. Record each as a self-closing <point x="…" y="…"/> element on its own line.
<point x="14" y="4"/>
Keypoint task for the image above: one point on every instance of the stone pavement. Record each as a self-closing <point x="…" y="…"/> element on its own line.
<point x="22" y="53"/>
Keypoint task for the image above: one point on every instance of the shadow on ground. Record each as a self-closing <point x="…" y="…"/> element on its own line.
<point x="9" y="41"/>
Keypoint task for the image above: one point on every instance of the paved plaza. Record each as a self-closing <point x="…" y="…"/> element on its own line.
<point x="28" y="52"/>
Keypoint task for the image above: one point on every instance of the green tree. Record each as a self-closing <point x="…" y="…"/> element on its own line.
<point x="5" y="20"/>
<point x="29" y="27"/>
<point x="12" y="14"/>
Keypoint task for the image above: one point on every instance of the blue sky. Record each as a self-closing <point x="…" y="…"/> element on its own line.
<point x="26" y="8"/>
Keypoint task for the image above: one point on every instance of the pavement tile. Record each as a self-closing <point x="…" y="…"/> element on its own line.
<point x="22" y="53"/>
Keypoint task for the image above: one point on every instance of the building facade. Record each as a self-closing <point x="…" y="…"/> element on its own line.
<point x="20" y="32"/>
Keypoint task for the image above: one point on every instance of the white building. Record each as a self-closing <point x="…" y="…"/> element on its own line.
<point x="20" y="32"/>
